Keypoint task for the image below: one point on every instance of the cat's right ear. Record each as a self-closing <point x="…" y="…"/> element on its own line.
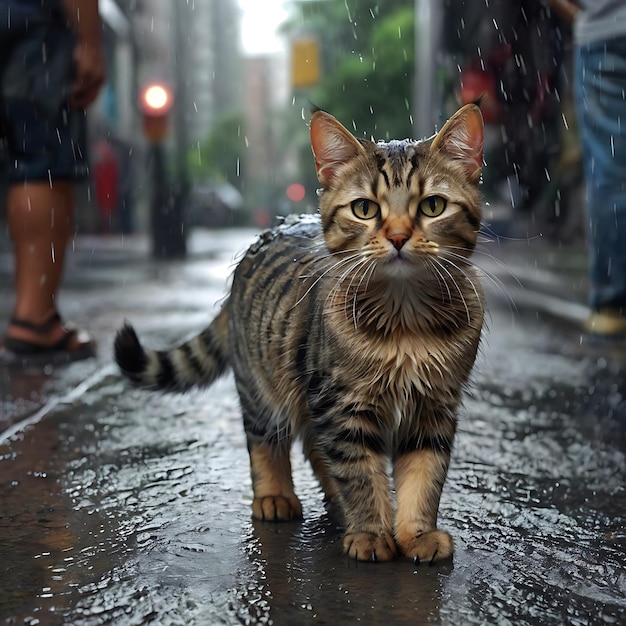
<point x="332" y="145"/>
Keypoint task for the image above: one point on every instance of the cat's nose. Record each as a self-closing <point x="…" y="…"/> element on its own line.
<point x="398" y="240"/>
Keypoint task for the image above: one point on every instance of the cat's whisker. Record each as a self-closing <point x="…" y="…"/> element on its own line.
<point x="497" y="282"/>
<point x="486" y="230"/>
<point x="322" y="275"/>
<point x="465" y="274"/>
<point x="352" y="273"/>
<point x="337" y="279"/>
<point x="361" y="258"/>
<point x="320" y="265"/>
<point x="437" y="260"/>
<point x="369" y="278"/>
<point x="441" y="280"/>
<point x="366" y="274"/>
<point x="322" y="261"/>
<point x="463" y="260"/>
<point x="348" y="290"/>
<point x="340" y="297"/>
<point x="482" y="238"/>
<point x="369" y="272"/>
<point x="499" y="262"/>
<point x="322" y="247"/>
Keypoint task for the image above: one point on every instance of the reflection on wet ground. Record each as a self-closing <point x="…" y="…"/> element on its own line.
<point x="122" y="507"/>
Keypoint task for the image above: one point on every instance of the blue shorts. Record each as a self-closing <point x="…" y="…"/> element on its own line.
<point x="45" y="138"/>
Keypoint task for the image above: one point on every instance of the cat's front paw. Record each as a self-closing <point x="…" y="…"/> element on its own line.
<point x="430" y="547"/>
<point x="277" y="508"/>
<point x="370" y="546"/>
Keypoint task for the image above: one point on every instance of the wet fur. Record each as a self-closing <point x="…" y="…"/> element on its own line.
<point x="357" y="335"/>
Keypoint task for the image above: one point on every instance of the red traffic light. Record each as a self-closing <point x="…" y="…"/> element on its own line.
<point x="296" y="192"/>
<point x="156" y="98"/>
<point x="155" y="102"/>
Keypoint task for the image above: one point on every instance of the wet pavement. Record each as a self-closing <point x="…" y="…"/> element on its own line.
<point x="123" y="507"/>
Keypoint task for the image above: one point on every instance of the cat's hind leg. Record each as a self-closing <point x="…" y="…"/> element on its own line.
<point x="274" y="497"/>
<point x="269" y="447"/>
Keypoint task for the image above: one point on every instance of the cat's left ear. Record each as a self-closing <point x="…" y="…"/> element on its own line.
<point x="462" y="138"/>
<point x="332" y="144"/>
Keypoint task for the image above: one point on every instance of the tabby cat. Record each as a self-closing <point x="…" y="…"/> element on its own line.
<point x="355" y="330"/>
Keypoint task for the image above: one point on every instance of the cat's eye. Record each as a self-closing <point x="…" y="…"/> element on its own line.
<point x="365" y="209"/>
<point x="433" y="206"/>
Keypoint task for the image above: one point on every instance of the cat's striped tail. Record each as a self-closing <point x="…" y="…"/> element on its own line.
<point x="195" y="363"/>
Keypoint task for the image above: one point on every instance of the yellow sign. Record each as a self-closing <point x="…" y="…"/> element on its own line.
<point x="305" y="62"/>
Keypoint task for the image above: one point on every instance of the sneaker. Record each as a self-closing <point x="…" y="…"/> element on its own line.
<point x="607" y="323"/>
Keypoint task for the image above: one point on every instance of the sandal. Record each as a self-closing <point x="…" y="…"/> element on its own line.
<point x="75" y="345"/>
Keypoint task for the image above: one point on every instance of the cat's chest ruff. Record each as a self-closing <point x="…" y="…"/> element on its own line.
<point x="398" y="365"/>
<point x="399" y="382"/>
<point x="406" y="342"/>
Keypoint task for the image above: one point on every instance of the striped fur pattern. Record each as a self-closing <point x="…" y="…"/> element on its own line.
<point x="355" y="330"/>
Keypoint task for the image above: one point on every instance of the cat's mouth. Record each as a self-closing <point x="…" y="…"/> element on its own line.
<point x="400" y="258"/>
<point x="400" y="263"/>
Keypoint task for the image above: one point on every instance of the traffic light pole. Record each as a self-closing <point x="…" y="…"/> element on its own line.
<point x="169" y="238"/>
<point x="167" y="215"/>
<point x="426" y="97"/>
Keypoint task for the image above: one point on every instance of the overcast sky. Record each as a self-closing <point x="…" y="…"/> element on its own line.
<point x="260" y="21"/>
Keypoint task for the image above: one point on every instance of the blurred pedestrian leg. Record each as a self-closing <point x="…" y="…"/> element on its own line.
<point x="601" y="101"/>
<point x="40" y="217"/>
<point x="51" y="67"/>
<point x="600" y="93"/>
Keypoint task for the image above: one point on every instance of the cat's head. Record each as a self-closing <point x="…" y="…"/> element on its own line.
<point x="400" y="200"/>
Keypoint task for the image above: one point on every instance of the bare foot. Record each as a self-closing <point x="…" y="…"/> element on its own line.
<point x="51" y="333"/>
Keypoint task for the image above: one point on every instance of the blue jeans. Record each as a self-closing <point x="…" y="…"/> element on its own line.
<point x="600" y="90"/>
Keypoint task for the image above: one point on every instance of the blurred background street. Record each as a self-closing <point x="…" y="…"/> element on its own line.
<point x="123" y="507"/>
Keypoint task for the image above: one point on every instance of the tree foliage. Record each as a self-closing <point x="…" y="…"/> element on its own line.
<point x="220" y="156"/>
<point x="368" y="59"/>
